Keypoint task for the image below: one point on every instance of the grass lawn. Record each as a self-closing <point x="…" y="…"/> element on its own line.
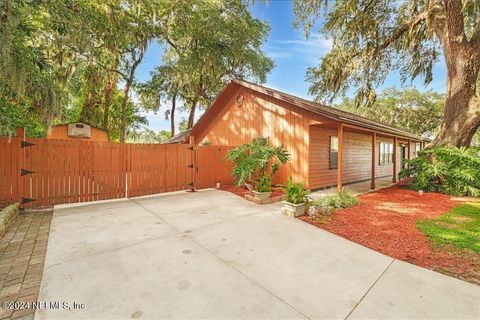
<point x="459" y="227"/>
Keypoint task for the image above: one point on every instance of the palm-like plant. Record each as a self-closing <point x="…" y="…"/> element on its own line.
<point x="257" y="162"/>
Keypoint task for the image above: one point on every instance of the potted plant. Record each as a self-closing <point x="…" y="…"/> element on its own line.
<point x="255" y="164"/>
<point x="263" y="188"/>
<point x="296" y="198"/>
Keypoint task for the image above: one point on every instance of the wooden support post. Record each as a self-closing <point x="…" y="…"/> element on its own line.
<point x="340" y="158"/>
<point x="409" y="156"/>
<point x="394" y="159"/>
<point x="374" y="161"/>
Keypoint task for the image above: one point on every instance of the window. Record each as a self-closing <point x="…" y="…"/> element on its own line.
<point x="333" y="152"/>
<point x="418" y="148"/>
<point x="385" y="153"/>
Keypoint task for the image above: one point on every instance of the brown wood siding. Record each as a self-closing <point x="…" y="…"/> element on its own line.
<point x="304" y="134"/>
<point x="61" y="132"/>
<point x="263" y="116"/>
<point x="357" y="157"/>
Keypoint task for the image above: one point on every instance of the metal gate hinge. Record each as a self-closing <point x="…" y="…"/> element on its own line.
<point x="27" y="200"/>
<point x="24" y="172"/>
<point x="24" y="144"/>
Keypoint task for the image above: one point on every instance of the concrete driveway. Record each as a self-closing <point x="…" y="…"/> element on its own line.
<point x="211" y="254"/>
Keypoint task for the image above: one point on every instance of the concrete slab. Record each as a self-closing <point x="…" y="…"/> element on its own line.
<point x="86" y="230"/>
<point x="192" y="210"/>
<point x="211" y="254"/>
<point x="171" y="277"/>
<point x="318" y="273"/>
<point x="355" y="188"/>
<point x="406" y="291"/>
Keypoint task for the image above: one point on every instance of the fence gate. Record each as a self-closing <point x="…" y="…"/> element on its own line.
<point x="157" y="168"/>
<point x="212" y="166"/>
<point x="66" y="171"/>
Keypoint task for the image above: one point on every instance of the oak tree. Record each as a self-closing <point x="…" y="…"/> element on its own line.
<point x="372" y="38"/>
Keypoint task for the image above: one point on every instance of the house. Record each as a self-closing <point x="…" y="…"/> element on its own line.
<point x="77" y="130"/>
<point x="328" y="146"/>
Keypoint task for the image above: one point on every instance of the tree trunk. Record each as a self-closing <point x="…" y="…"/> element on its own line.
<point x="462" y="105"/>
<point x="123" y="122"/>
<point x="172" y="114"/>
<point x="191" y="117"/>
<point x="129" y="81"/>
<point x="109" y="90"/>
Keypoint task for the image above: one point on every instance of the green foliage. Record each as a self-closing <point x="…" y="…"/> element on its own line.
<point x="295" y="193"/>
<point x="408" y="109"/>
<point x="373" y="38"/>
<point x="459" y="227"/>
<point x="255" y="161"/>
<point x="208" y="44"/>
<point x="146" y="135"/>
<point x="454" y="171"/>
<point x="328" y="204"/>
<point x="264" y="184"/>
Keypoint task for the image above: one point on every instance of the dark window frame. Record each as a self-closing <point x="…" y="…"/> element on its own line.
<point x="330" y="154"/>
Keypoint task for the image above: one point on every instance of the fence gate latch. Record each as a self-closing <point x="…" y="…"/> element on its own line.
<point x="25" y="144"/>
<point x="24" y="172"/>
<point x="190" y="166"/>
<point x="190" y="148"/>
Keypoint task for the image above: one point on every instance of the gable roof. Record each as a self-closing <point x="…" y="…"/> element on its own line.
<point x="311" y="106"/>
<point x="181" y="137"/>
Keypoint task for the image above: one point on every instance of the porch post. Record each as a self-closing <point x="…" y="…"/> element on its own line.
<point x="374" y="163"/>
<point x="340" y="157"/>
<point x="394" y="159"/>
<point x="409" y="150"/>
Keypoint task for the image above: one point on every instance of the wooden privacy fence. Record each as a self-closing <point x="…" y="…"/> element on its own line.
<point x="42" y="172"/>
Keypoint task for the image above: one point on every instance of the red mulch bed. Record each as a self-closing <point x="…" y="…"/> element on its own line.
<point x="241" y="191"/>
<point x="385" y="222"/>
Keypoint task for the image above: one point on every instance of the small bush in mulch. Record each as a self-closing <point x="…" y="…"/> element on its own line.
<point x="385" y="221"/>
<point x="325" y="206"/>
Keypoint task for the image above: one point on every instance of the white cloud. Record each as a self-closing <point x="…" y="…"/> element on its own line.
<point x="308" y="50"/>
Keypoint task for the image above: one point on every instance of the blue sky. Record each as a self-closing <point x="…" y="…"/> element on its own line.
<point x="292" y="53"/>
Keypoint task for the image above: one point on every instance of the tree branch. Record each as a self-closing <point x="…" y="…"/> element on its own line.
<point x="400" y="31"/>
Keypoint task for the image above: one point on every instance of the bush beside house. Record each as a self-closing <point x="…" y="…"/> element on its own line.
<point x="454" y="171"/>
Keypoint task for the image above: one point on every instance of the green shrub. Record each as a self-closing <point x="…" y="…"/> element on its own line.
<point x="295" y="193"/>
<point x="454" y="171"/>
<point x="256" y="163"/>
<point x="264" y="184"/>
<point x="327" y="205"/>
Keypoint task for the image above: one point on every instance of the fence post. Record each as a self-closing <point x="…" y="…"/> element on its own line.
<point x="126" y="163"/>
<point x="19" y="139"/>
<point x="194" y="163"/>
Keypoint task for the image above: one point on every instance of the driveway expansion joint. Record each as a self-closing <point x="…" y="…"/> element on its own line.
<point x="370" y="288"/>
